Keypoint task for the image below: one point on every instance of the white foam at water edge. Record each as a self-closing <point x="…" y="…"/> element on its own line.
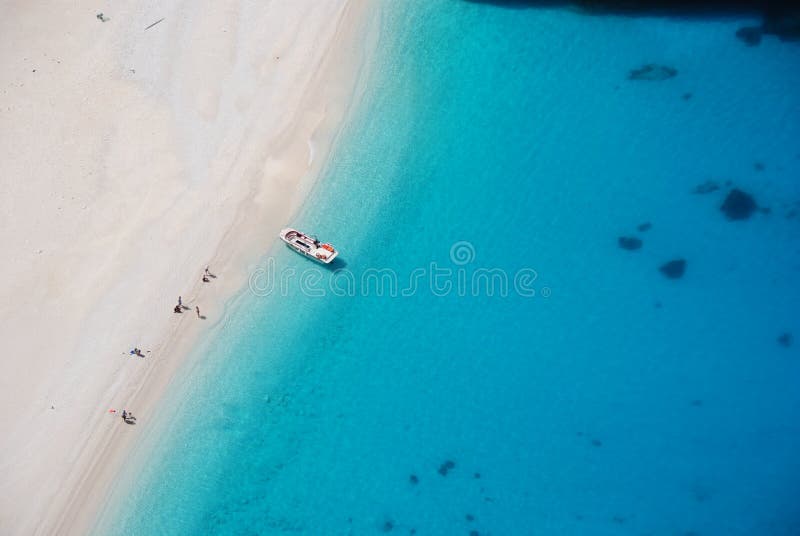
<point x="310" y="152"/>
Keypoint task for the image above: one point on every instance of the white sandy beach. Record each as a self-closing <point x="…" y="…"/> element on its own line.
<point x="131" y="159"/>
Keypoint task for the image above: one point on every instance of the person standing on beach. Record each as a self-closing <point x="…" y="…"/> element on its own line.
<point x="197" y="308"/>
<point x="180" y="302"/>
<point x="124" y="415"/>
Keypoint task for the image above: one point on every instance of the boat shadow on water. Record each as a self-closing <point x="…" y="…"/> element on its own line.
<point x="336" y="264"/>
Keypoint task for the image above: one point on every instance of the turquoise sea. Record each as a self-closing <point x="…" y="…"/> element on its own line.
<point x="504" y="144"/>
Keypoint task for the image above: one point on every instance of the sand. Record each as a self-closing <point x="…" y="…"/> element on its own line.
<point x="132" y="158"/>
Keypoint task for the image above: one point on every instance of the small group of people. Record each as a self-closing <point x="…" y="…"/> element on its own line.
<point x="128" y="417"/>
<point x="180" y="307"/>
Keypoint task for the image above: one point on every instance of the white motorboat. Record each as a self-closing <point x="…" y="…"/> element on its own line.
<point x="308" y="245"/>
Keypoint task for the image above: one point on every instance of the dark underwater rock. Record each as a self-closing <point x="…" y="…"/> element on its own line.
<point x="446" y="467"/>
<point x="750" y="35"/>
<point x="738" y="205"/>
<point x="652" y="72"/>
<point x="414" y="479"/>
<point x="782" y="21"/>
<point x="686" y="8"/>
<point x="686" y="96"/>
<point x="630" y="243"/>
<point x="706" y="188"/>
<point x="673" y="269"/>
<point x="646" y="226"/>
<point x="780" y="18"/>
<point x="785" y="339"/>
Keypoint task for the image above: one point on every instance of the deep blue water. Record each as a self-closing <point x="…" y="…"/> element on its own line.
<point x="614" y="400"/>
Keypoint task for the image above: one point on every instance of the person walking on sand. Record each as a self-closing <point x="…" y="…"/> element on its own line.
<point x="197" y="308"/>
<point x="207" y="273"/>
<point x="124" y="415"/>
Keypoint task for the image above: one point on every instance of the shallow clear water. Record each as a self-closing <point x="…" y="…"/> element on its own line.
<point x="614" y="400"/>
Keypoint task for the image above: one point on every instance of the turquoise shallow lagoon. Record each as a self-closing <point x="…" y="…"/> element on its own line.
<point x="613" y="400"/>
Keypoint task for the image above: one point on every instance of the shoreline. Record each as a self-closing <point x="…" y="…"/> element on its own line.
<point x="78" y="460"/>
